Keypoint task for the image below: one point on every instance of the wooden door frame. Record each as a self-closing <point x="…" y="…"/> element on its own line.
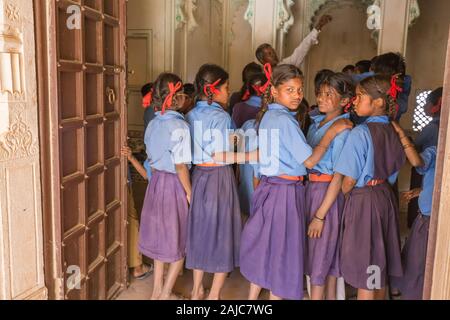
<point x="437" y="273"/>
<point x="46" y="68"/>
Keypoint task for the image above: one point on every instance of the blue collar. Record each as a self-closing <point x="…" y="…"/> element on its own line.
<point x="320" y="117"/>
<point x="276" y="106"/>
<point x="203" y="104"/>
<point x="169" y="114"/>
<point x="254" y="101"/>
<point x="380" y="119"/>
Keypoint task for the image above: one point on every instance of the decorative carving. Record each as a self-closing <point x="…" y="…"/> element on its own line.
<point x="17" y="142"/>
<point x="11" y="62"/>
<point x="185" y="8"/>
<point x="285" y="18"/>
<point x="250" y="12"/>
<point x="12" y="12"/>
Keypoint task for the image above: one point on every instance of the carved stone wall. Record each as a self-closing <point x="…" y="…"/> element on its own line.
<point x="21" y="245"/>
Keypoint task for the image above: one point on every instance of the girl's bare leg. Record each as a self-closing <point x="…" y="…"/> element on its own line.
<point x="380" y="294"/>
<point x="317" y="292"/>
<point x="274" y="297"/>
<point x="158" y="279"/>
<point x="171" y="278"/>
<point x="198" y="291"/>
<point x="254" y="292"/>
<point x="331" y="288"/>
<point x="217" y="285"/>
<point x="364" y="294"/>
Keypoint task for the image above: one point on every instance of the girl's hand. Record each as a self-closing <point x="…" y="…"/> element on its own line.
<point x="409" y="195"/>
<point x="235" y="139"/>
<point x="188" y="197"/>
<point x="315" y="228"/>
<point x="126" y="151"/>
<point x="225" y="157"/>
<point x="340" y="126"/>
<point x="398" y="129"/>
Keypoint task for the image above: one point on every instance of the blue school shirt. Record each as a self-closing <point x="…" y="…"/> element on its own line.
<point x="428" y="172"/>
<point x="428" y="137"/>
<point x="211" y="127"/>
<point x="148" y="168"/>
<point x="254" y="101"/>
<point x="357" y="156"/>
<point x="282" y="144"/>
<point x="315" y="135"/>
<point x="251" y="144"/>
<point x="168" y="142"/>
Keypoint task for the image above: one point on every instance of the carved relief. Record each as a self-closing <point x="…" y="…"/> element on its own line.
<point x="18" y="141"/>
<point x="12" y="12"/>
<point x="184" y="14"/>
<point x="285" y="18"/>
<point x="11" y="62"/>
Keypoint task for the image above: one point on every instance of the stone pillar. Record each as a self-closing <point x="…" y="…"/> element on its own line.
<point x="21" y="244"/>
<point x="395" y="15"/>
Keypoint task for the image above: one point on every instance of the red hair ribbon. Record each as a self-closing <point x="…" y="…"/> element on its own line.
<point x="395" y="89"/>
<point x="437" y="107"/>
<point x="147" y="100"/>
<point x="246" y="95"/>
<point x="268" y="73"/>
<point x="212" y="88"/>
<point x="257" y="88"/>
<point x="172" y="90"/>
<point x="349" y="105"/>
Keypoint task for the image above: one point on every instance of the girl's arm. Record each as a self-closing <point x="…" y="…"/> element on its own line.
<point x="319" y="151"/>
<point x="183" y="175"/>
<point x="411" y="153"/>
<point x="316" y="226"/>
<point x="236" y="157"/>
<point x="348" y="184"/>
<point x="126" y="151"/>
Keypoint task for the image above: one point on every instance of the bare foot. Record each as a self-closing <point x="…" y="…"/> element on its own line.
<point x="171" y="296"/>
<point x="156" y="294"/>
<point x="200" y="295"/>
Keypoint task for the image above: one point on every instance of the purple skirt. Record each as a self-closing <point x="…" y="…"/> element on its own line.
<point x="322" y="255"/>
<point x="273" y="240"/>
<point x="414" y="256"/>
<point x="163" y="228"/>
<point x="214" y="227"/>
<point x="370" y="238"/>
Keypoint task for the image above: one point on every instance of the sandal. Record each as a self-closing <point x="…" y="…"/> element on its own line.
<point x="146" y="274"/>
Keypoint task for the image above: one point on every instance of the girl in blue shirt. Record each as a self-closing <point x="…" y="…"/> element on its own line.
<point x="214" y="228"/>
<point x="272" y="246"/>
<point x="370" y="160"/>
<point x="165" y="210"/>
<point x="324" y="200"/>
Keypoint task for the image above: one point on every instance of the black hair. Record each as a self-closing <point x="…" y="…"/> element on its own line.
<point x="435" y="95"/>
<point x="363" y="66"/>
<point x="389" y="64"/>
<point x="260" y="51"/>
<point x="248" y="72"/>
<point x="342" y="83"/>
<point x="320" y="76"/>
<point x="348" y="67"/>
<point x="189" y="89"/>
<point x="280" y="75"/>
<point x="161" y="88"/>
<point x="209" y="74"/>
<point x="146" y="89"/>
<point x="378" y="86"/>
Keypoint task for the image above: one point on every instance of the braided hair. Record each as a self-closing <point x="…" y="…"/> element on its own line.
<point x="208" y="75"/>
<point x="161" y="89"/>
<point x="280" y="75"/>
<point x="378" y="86"/>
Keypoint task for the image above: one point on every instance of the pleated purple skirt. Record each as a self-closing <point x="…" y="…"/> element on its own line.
<point x="214" y="226"/>
<point x="322" y="255"/>
<point x="370" y="238"/>
<point x="414" y="256"/>
<point x="273" y="240"/>
<point x="163" y="227"/>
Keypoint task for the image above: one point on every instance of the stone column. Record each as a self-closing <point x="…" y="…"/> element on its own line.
<point x="21" y="244"/>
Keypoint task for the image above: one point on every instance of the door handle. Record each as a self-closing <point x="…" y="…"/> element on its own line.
<point x="111" y="95"/>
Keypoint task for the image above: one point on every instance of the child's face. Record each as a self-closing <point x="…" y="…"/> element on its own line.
<point x="329" y="100"/>
<point x="289" y="94"/>
<point x="270" y="56"/>
<point x="365" y="106"/>
<point x="223" y="95"/>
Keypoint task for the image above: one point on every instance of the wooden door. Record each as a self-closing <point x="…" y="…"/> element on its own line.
<point x="85" y="235"/>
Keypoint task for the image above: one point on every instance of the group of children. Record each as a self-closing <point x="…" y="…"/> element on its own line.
<point x="316" y="183"/>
